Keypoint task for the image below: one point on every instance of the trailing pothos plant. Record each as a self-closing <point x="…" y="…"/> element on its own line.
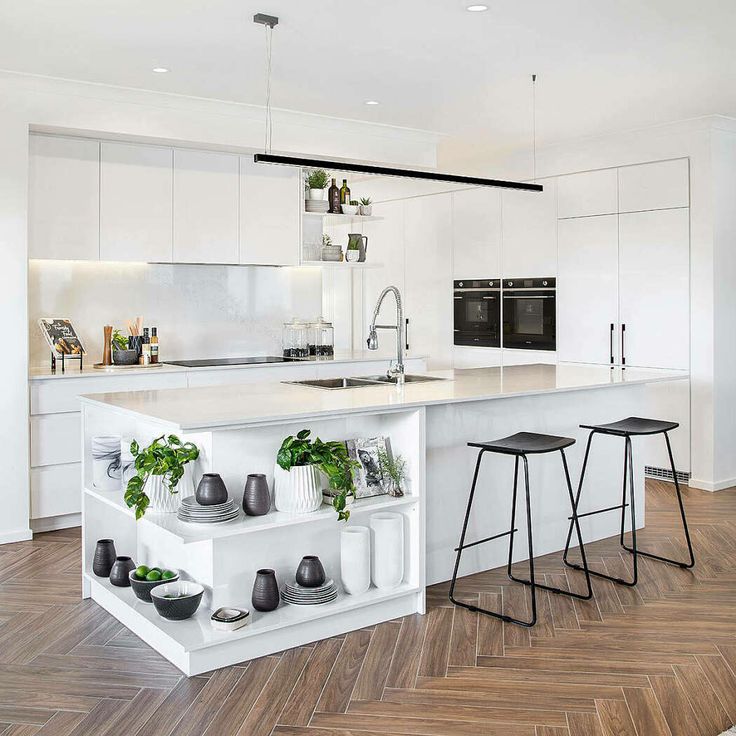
<point x="329" y="457"/>
<point x="165" y="456"/>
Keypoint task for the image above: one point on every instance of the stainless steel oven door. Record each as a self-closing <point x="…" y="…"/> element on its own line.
<point x="477" y="317"/>
<point x="529" y="319"/>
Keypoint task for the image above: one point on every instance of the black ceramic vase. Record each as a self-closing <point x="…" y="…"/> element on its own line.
<point x="120" y="573"/>
<point x="265" y="595"/>
<point x="104" y="558"/>
<point x="211" y="490"/>
<point x="256" y="498"/>
<point x="310" y="572"/>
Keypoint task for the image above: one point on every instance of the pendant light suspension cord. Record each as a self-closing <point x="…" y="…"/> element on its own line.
<point x="534" y="127"/>
<point x="269" y="118"/>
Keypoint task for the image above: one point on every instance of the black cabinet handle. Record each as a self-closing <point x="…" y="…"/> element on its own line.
<point x="623" y="344"/>
<point x="406" y="333"/>
<point x="611" y="343"/>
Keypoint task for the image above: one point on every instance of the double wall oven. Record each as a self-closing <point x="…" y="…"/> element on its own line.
<point x="528" y="307"/>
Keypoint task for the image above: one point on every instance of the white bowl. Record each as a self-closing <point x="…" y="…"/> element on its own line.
<point x="349" y="209"/>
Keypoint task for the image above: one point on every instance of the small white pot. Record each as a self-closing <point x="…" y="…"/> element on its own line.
<point x="355" y="559"/>
<point x="352" y="256"/>
<point x="349" y="209"/>
<point x="298" y="490"/>
<point x="366" y="210"/>
<point x="316" y="194"/>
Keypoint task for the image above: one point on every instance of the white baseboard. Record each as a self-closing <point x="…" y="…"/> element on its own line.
<point x="706" y="485"/>
<point x="18" y="535"/>
<point x="52" y="523"/>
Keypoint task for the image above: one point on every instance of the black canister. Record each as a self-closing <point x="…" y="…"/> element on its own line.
<point x="265" y="595"/>
<point x="104" y="558"/>
<point x="256" y="497"/>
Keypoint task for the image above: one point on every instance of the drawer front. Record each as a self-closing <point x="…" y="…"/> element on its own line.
<point x="56" y="490"/>
<point x="56" y="439"/>
<point x="57" y="395"/>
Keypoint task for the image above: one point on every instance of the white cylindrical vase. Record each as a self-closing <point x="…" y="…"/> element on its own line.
<point x="105" y="451"/>
<point x="387" y="550"/>
<point x="355" y="559"/>
<point x="297" y="490"/>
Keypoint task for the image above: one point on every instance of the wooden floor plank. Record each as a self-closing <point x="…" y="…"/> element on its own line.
<point x="615" y="718"/>
<point x="436" y="649"/>
<point x="405" y="663"/>
<point x="676" y="707"/>
<point x="373" y="673"/>
<point x="584" y="724"/>
<point x="341" y="681"/>
<point x="645" y="712"/>
<point x="704" y="701"/>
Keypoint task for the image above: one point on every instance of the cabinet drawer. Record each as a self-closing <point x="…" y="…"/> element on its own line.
<point x="56" y="395"/>
<point x="56" y="490"/>
<point x="55" y="439"/>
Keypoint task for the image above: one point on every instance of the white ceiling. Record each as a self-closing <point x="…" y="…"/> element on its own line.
<point x="603" y="65"/>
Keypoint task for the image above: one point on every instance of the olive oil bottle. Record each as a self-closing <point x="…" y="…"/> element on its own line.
<point x="344" y="192"/>
<point x="333" y="197"/>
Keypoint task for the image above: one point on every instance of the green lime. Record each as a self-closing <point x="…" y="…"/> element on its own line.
<point x="153" y="575"/>
<point x="167" y="575"/>
<point x="141" y="572"/>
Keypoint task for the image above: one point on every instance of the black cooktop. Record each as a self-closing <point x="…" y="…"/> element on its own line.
<point x="207" y="362"/>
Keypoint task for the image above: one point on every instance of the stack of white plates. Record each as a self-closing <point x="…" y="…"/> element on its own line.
<point x="316" y="205"/>
<point x="192" y="513"/>
<point x="298" y="595"/>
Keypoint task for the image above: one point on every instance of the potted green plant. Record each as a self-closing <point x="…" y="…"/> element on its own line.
<point x="297" y="482"/>
<point x="317" y="180"/>
<point x="352" y="253"/>
<point x="366" y="206"/>
<point x="158" y="469"/>
<point x="394" y="466"/>
<point x="120" y="353"/>
<point x="350" y="209"/>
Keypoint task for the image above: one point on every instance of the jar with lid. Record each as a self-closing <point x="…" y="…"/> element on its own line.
<point x="295" y="339"/>
<point x="322" y="339"/>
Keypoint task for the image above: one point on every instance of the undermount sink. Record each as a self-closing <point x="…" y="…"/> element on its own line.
<point x="360" y="381"/>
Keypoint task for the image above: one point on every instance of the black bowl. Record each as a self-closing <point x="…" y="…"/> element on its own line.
<point x="184" y="603"/>
<point x="143" y="588"/>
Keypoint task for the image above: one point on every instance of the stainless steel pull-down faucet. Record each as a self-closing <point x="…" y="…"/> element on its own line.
<point x="400" y="328"/>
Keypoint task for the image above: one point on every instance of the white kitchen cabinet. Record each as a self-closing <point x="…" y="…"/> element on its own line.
<point x="206" y="201"/>
<point x="270" y="213"/>
<point x="529" y="232"/>
<point x="470" y="357"/>
<point x="55" y="490"/>
<point x="654" y="287"/>
<point x="588" y="193"/>
<point x="654" y="186"/>
<point x="64" y="198"/>
<point x="587" y="288"/>
<point x="136" y="191"/>
<point x="55" y="439"/>
<point x="428" y="290"/>
<point x="476" y="234"/>
<point x="527" y="357"/>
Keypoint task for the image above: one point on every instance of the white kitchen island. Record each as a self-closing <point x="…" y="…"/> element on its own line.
<point x="239" y="429"/>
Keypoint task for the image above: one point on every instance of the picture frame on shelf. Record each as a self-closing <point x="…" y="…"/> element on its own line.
<point x="369" y="478"/>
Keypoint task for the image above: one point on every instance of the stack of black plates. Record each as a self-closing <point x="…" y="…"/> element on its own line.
<point x="298" y="595"/>
<point x="193" y="513"/>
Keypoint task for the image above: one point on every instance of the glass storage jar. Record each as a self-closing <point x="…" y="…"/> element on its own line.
<point x="295" y="339"/>
<point x="322" y="342"/>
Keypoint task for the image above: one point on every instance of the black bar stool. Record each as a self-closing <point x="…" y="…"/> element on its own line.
<point x="628" y="428"/>
<point x="520" y="445"/>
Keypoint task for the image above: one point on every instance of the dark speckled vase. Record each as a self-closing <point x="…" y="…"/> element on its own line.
<point x="265" y="595"/>
<point x="211" y="490"/>
<point x="256" y="498"/>
<point x="104" y="558"/>
<point x="120" y="573"/>
<point x="310" y="572"/>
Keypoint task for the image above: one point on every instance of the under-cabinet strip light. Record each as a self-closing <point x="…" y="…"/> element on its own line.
<point x="314" y="163"/>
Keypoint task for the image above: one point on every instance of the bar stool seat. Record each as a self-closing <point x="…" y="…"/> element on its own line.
<point x="519" y="446"/>
<point x="525" y="443"/>
<point x="632" y="426"/>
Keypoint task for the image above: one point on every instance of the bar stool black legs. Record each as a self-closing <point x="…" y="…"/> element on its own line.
<point x="515" y="446"/>
<point x="627" y="428"/>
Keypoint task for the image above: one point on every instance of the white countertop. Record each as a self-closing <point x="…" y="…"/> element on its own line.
<point x="190" y="409"/>
<point x="43" y="372"/>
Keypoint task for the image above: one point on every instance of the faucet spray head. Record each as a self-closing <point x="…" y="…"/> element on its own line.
<point x="372" y="339"/>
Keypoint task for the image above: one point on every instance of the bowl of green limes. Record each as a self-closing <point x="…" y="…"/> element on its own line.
<point x="144" y="579"/>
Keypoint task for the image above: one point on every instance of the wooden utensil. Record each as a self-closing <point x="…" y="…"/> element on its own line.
<point x="107" y="350"/>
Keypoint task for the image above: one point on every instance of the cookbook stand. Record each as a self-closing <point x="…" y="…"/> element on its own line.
<point x="79" y="357"/>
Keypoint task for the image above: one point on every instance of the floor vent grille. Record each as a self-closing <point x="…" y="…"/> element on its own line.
<point x="666" y="474"/>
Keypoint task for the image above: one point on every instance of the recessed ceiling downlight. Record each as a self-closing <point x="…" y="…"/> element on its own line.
<point x="372" y="102"/>
<point x="160" y="70"/>
<point x="476" y="8"/>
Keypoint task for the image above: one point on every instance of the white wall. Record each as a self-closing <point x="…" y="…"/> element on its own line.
<point x="61" y="106"/>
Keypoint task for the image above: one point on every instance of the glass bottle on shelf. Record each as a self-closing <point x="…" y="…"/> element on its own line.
<point x="344" y="192"/>
<point x="333" y="198"/>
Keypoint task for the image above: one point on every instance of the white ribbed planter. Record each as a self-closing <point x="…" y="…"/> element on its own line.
<point x="388" y="549"/>
<point x="162" y="499"/>
<point x="355" y="559"/>
<point x="298" y="490"/>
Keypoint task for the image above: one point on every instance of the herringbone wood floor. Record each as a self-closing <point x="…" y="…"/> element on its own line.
<point x="656" y="661"/>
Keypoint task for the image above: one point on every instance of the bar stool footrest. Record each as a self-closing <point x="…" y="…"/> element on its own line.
<point x="487" y="539"/>
<point x="677" y="563"/>
<point x="552" y="589"/>
<point x="495" y="614"/>
<point x="599" y="511"/>
<point x="612" y="578"/>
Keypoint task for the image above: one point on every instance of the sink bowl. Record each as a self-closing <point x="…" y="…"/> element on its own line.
<point x="360" y="381"/>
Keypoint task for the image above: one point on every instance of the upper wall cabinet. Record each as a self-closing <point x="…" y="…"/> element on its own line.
<point x="64" y="198"/>
<point x="589" y="193"/>
<point x="657" y="186"/>
<point x="205" y="207"/>
<point x="476" y="234"/>
<point x="270" y="213"/>
<point x="136" y="190"/>
<point x="530" y="232"/>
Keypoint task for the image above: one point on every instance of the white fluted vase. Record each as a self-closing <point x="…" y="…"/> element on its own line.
<point x="355" y="559"/>
<point x="162" y="500"/>
<point x="387" y="555"/>
<point x="297" y="490"/>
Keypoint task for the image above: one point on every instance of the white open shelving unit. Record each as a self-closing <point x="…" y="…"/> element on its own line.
<point x="225" y="557"/>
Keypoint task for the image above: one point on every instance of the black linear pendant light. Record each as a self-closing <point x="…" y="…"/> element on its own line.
<point x="270" y="21"/>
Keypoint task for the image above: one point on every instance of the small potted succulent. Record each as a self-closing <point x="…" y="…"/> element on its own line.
<point x="317" y="181"/>
<point x="366" y="206"/>
<point x="350" y="209"/>
<point x="352" y="253"/>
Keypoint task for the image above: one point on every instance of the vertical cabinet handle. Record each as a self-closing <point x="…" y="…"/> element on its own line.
<point x="623" y="344"/>
<point x="406" y="333"/>
<point x="611" y="343"/>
